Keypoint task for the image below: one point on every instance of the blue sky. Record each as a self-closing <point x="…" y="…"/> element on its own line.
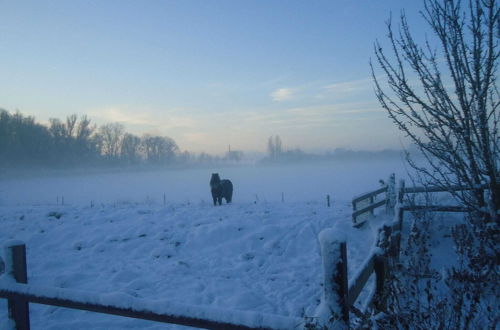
<point x="206" y="73"/>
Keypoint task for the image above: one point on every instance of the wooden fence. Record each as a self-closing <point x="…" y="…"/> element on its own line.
<point x="339" y="296"/>
<point x="389" y="238"/>
<point x="365" y="204"/>
<point x="14" y="287"/>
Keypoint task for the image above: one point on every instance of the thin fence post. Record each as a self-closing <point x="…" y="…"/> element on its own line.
<point x="15" y="259"/>
<point x="333" y="312"/>
<point x="391" y="193"/>
<point x="396" y="239"/>
<point x="282" y="197"/>
<point x="401" y="191"/>
<point x="354" y="209"/>
<point x="381" y="273"/>
<point x="328" y="200"/>
<point x="372" y="211"/>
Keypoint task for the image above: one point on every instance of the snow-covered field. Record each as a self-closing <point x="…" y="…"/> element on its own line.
<point x="114" y="234"/>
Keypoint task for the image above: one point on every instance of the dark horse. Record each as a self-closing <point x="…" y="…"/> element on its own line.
<point x="221" y="189"/>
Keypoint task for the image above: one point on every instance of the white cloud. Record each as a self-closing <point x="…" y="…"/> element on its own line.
<point x="283" y="94"/>
<point x="347" y="87"/>
<point x="144" y="117"/>
<point x="120" y="115"/>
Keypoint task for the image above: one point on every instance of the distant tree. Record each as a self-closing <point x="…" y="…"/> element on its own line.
<point x="159" y="149"/>
<point x="111" y="137"/>
<point x="186" y="157"/>
<point x="57" y="130"/>
<point x="85" y="142"/>
<point x="274" y="147"/>
<point x="204" y="158"/>
<point x="131" y="148"/>
<point x="76" y="141"/>
<point x="70" y="125"/>
<point x="233" y="155"/>
<point x="22" y="140"/>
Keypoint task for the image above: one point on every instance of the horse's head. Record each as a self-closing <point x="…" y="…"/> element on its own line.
<point x="214" y="180"/>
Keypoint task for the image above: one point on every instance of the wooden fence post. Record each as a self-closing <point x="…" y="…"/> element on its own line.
<point x="391" y="193"/>
<point x="401" y="191"/>
<point x="328" y="200"/>
<point x="354" y="209"/>
<point x="381" y="273"/>
<point x="333" y="312"/>
<point x="15" y="263"/>
<point x="372" y="200"/>
<point x="396" y="238"/>
<point x="384" y="239"/>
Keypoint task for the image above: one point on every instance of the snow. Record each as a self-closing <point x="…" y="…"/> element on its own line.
<point x="257" y="255"/>
<point x="331" y="254"/>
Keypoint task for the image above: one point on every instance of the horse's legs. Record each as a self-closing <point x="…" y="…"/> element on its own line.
<point x="219" y="200"/>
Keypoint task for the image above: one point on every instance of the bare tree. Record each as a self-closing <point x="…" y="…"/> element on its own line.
<point x="85" y="143"/>
<point x="446" y="99"/>
<point x="159" y="149"/>
<point x="71" y="125"/>
<point x="131" y="148"/>
<point x="84" y="129"/>
<point x="275" y="147"/>
<point x="111" y="136"/>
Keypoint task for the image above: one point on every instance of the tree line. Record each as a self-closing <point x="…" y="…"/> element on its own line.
<point x="77" y="141"/>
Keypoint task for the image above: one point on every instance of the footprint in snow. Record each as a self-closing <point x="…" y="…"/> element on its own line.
<point x="247" y="256"/>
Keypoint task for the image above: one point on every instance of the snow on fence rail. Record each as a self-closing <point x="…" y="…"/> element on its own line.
<point x="14" y="287"/>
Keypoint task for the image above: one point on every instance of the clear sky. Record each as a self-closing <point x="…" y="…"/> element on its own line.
<point x="206" y="73"/>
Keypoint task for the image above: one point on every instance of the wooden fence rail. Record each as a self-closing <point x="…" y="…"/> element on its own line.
<point x="365" y="204"/>
<point x="442" y="189"/>
<point x="367" y="200"/>
<point x="13" y="287"/>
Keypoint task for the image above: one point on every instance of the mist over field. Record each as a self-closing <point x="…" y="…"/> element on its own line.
<point x="297" y="182"/>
